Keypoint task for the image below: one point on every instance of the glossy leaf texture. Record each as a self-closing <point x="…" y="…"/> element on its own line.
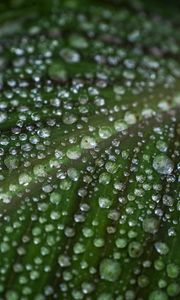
<point x="89" y="150"/>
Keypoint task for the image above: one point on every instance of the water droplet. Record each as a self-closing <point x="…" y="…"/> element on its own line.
<point x="104" y="202"/>
<point x="172" y="270"/>
<point x="150" y="225"/>
<point x="69" y="119"/>
<point x="158" y="295"/>
<point x="111" y="167"/>
<point x="104" y="178"/>
<point x="163" y="164"/>
<point x="78" y="41"/>
<point x="105" y="296"/>
<point x="39" y="171"/>
<point x="143" y="281"/>
<point x="120" y="125"/>
<point x="55" y="198"/>
<point x="109" y="270"/>
<point x="173" y="289"/>
<point x="74" y="153"/>
<point x="161" y="248"/>
<point x="130" y="118"/>
<point x="12" y="295"/>
<point x="121" y="243"/>
<point x="104" y="132"/>
<point x="99" y="243"/>
<point x="135" y="249"/>
<point x="73" y="174"/>
<point x="88" y="142"/>
<point x="11" y="162"/>
<point x="24" y="179"/>
<point x="3" y="117"/>
<point x="168" y="200"/>
<point x="161" y="146"/>
<point x="64" y="261"/>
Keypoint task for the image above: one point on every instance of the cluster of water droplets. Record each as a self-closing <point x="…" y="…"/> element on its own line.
<point x="89" y="150"/>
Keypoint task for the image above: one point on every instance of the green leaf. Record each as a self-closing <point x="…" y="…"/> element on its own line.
<point x="89" y="150"/>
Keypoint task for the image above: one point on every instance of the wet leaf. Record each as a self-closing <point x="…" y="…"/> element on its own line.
<point x="89" y="150"/>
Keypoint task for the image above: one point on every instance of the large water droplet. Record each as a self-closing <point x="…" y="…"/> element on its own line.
<point x="110" y="269"/>
<point x="163" y="164"/>
<point x="88" y="142"/>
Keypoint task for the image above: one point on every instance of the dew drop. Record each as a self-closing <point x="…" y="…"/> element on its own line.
<point x="163" y="164"/>
<point x="150" y="225"/>
<point x="120" y="125"/>
<point x="158" y="295"/>
<point x="135" y="249"/>
<point x="24" y="179"/>
<point x="3" y="117"/>
<point x="104" y="202"/>
<point x="104" y="132"/>
<point x="88" y="142"/>
<point x="109" y="269"/>
<point x="161" y="248"/>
